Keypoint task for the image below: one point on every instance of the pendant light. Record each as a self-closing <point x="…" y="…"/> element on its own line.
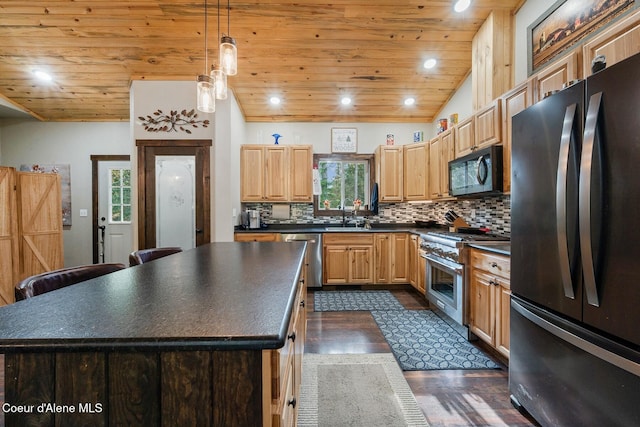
<point x="217" y="75"/>
<point x="228" y="50"/>
<point x="206" y="101"/>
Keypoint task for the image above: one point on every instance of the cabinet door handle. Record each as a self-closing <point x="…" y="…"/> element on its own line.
<point x="292" y="337"/>
<point x="493" y="282"/>
<point x="494" y="264"/>
<point x="302" y="303"/>
<point x="292" y="402"/>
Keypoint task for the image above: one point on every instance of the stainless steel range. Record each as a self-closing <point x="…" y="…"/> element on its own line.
<point x="446" y="283"/>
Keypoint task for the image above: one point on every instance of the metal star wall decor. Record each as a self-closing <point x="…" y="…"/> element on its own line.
<point x="172" y="122"/>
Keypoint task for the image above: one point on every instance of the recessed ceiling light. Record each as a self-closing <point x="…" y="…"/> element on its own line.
<point x="461" y="5"/>
<point x="430" y="63"/>
<point x="345" y="100"/>
<point x="43" y="75"/>
<point x="274" y="100"/>
<point x="409" y="101"/>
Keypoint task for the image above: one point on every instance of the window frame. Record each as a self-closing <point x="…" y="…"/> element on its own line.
<point x="319" y="210"/>
<point x="122" y="205"/>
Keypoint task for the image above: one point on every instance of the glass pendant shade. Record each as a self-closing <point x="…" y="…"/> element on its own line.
<point x="219" y="82"/>
<point x="228" y="56"/>
<point x="206" y="94"/>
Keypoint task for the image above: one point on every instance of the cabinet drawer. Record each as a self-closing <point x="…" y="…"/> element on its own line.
<point x="257" y="237"/>
<point x="350" y="239"/>
<point x="498" y="265"/>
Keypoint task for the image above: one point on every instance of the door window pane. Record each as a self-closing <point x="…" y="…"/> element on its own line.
<point x="120" y="202"/>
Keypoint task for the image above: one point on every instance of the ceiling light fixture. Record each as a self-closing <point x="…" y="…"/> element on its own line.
<point x="430" y="63"/>
<point x="228" y="49"/>
<point x="461" y="5"/>
<point x="274" y="100"/>
<point x="409" y="101"/>
<point x="206" y="101"/>
<point x="345" y="100"/>
<point x="217" y="74"/>
<point x="42" y="75"/>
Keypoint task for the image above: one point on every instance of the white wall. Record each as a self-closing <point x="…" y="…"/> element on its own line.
<point x="28" y="142"/>
<point x="527" y="14"/>
<point x="370" y="135"/>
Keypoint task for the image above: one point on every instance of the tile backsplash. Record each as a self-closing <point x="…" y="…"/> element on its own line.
<point x="492" y="212"/>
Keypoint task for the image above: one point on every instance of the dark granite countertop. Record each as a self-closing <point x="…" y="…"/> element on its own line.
<point x="336" y="228"/>
<point x="217" y="296"/>
<point x="499" y="248"/>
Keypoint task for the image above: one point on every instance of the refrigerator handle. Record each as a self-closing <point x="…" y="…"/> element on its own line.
<point x="584" y="195"/>
<point x="561" y="200"/>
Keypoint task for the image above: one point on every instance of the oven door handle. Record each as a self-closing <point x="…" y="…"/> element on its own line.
<point x="452" y="269"/>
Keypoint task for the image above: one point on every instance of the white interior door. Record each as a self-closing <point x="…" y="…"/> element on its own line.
<point x="115" y="239"/>
<point x="176" y="201"/>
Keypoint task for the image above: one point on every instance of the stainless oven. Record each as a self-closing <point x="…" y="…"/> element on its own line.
<point x="445" y="287"/>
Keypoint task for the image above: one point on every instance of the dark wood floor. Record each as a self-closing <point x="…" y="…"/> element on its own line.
<point x="448" y="398"/>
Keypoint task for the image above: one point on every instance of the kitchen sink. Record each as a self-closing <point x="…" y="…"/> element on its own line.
<point x="347" y="229"/>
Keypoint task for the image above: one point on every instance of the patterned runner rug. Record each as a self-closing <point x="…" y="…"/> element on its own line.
<point x="356" y="390"/>
<point x="355" y="301"/>
<point x="421" y="340"/>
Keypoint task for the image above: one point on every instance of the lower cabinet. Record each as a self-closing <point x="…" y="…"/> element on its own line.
<point x="282" y="368"/>
<point x="391" y="261"/>
<point x="490" y="294"/>
<point x="417" y="264"/>
<point x="348" y="258"/>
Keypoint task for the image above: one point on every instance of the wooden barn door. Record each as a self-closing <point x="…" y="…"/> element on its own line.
<point x="39" y="222"/>
<point x="9" y="267"/>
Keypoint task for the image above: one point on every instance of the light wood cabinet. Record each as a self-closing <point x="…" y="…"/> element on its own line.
<point x="490" y="293"/>
<point x="488" y="129"/>
<point x="391" y="260"/>
<point x="348" y="258"/>
<point x="465" y="136"/>
<point x="301" y="180"/>
<point x="283" y="367"/>
<point x="513" y="102"/>
<point x="441" y="152"/>
<point x="414" y="263"/>
<point x="275" y="173"/>
<point x="620" y="41"/>
<point x="416" y="171"/>
<point x="491" y="55"/>
<point x="480" y="130"/>
<point x="257" y="237"/>
<point x="389" y="167"/>
<point x="554" y="76"/>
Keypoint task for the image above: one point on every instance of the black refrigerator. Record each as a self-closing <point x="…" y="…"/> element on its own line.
<point x="575" y="253"/>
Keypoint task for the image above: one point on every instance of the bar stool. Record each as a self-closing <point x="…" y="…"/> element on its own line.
<point x="145" y="255"/>
<point x="56" y="279"/>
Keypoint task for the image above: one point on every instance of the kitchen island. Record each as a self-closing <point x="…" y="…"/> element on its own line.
<point x="203" y="337"/>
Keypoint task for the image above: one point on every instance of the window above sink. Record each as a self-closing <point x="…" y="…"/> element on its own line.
<point x="344" y="178"/>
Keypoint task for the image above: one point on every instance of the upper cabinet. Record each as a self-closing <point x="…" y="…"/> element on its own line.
<point x="514" y="101"/>
<point x="553" y="77"/>
<point x="389" y="167"/>
<point x="267" y="171"/>
<point x="301" y="180"/>
<point x="616" y="43"/>
<point x="441" y="152"/>
<point x="491" y="74"/>
<point x="416" y="171"/>
<point x="480" y="130"/>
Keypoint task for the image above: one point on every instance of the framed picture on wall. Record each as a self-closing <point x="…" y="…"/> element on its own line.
<point x="564" y="24"/>
<point x="344" y="140"/>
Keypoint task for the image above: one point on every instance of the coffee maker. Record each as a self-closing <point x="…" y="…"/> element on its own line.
<point x="254" y="218"/>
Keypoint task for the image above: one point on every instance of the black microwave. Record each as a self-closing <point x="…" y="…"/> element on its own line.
<point x="476" y="174"/>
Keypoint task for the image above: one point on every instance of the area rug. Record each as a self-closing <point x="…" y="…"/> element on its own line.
<point x="355" y="301"/>
<point x="420" y="341"/>
<point x="356" y="390"/>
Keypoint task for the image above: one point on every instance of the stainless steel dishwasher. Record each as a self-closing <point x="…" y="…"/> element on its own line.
<point x="314" y="256"/>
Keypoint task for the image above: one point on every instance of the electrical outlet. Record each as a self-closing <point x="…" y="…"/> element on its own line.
<point x="84" y="212"/>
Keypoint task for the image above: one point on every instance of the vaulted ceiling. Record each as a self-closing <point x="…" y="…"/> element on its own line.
<point x="307" y="52"/>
